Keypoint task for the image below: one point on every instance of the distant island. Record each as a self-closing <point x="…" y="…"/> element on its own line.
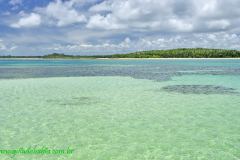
<point x="172" y="53"/>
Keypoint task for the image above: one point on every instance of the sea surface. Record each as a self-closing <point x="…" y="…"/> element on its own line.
<point x="173" y="109"/>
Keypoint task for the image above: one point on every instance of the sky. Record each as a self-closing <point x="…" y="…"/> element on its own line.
<point x="87" y="27"/>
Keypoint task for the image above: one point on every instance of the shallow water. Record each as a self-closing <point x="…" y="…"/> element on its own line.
<point x="158" y="70"/>
<point x="106" y="109"/>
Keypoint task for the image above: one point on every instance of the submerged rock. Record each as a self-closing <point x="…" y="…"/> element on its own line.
<point x="200" y="89"/>
<point x="75" y="101"/>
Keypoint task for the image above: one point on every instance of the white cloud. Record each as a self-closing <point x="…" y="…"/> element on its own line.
<point x="102" y="25"/>
<point x="15" y="2"/>
<point x="165" y="15"/>
<point x="205" y="40"/>
<point x="31" y="20"/>
<point x="148" y="15"/>
<point x="128" y="14"/>
<point x="206" y="8"/>
<point x="62" y="12"/>
<point x="106" y="47"/>
<point x="108" y="22"/>
<point x="179" y="25"/>
<point x="219" y="24"/>
<point x="2" y="45"/>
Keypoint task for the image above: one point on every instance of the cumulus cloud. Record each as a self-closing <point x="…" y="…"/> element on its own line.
<point x="180" y="25"/>
<point x="109" y="22"/>
<point x="166" y="15"/>
<point x="6" y="48"/>
<point x="28" y="21"/>
<point x="2" y="45"/>
<point x="63" y="12"/>
<point x="148" y="15"/>
<point x="204" y="40"/>
<point x="15" y="2"/>
<point x="219" y="24"/>
<point x="76" y="26"/>
<point x="106" y="46"/>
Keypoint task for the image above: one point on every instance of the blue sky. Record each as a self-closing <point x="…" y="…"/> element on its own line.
<point x="84" y="27"/>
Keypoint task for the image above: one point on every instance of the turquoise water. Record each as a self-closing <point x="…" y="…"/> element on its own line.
<point x="121" y="109"/>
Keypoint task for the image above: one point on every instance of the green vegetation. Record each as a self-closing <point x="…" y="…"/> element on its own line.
<point x="64" y="56"/>
<point x="173" y="53"/>
<point x="9" y="56"/>
<point x="182" y="53"/>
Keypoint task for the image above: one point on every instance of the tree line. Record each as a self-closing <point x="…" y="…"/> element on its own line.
<point x="172" y="53"/>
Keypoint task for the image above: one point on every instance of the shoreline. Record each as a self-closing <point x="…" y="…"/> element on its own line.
<point x="118" y="58"/>
<point x="163" y="58"/>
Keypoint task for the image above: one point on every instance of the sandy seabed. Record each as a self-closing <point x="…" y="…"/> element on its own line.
<point x="120" y="118"/>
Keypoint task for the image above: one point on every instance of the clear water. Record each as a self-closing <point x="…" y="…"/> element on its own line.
<point x="121" y="109"/>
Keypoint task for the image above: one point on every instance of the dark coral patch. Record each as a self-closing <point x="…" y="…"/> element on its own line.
<point x="199" y="89"/>
<point x="75" y="101"/>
